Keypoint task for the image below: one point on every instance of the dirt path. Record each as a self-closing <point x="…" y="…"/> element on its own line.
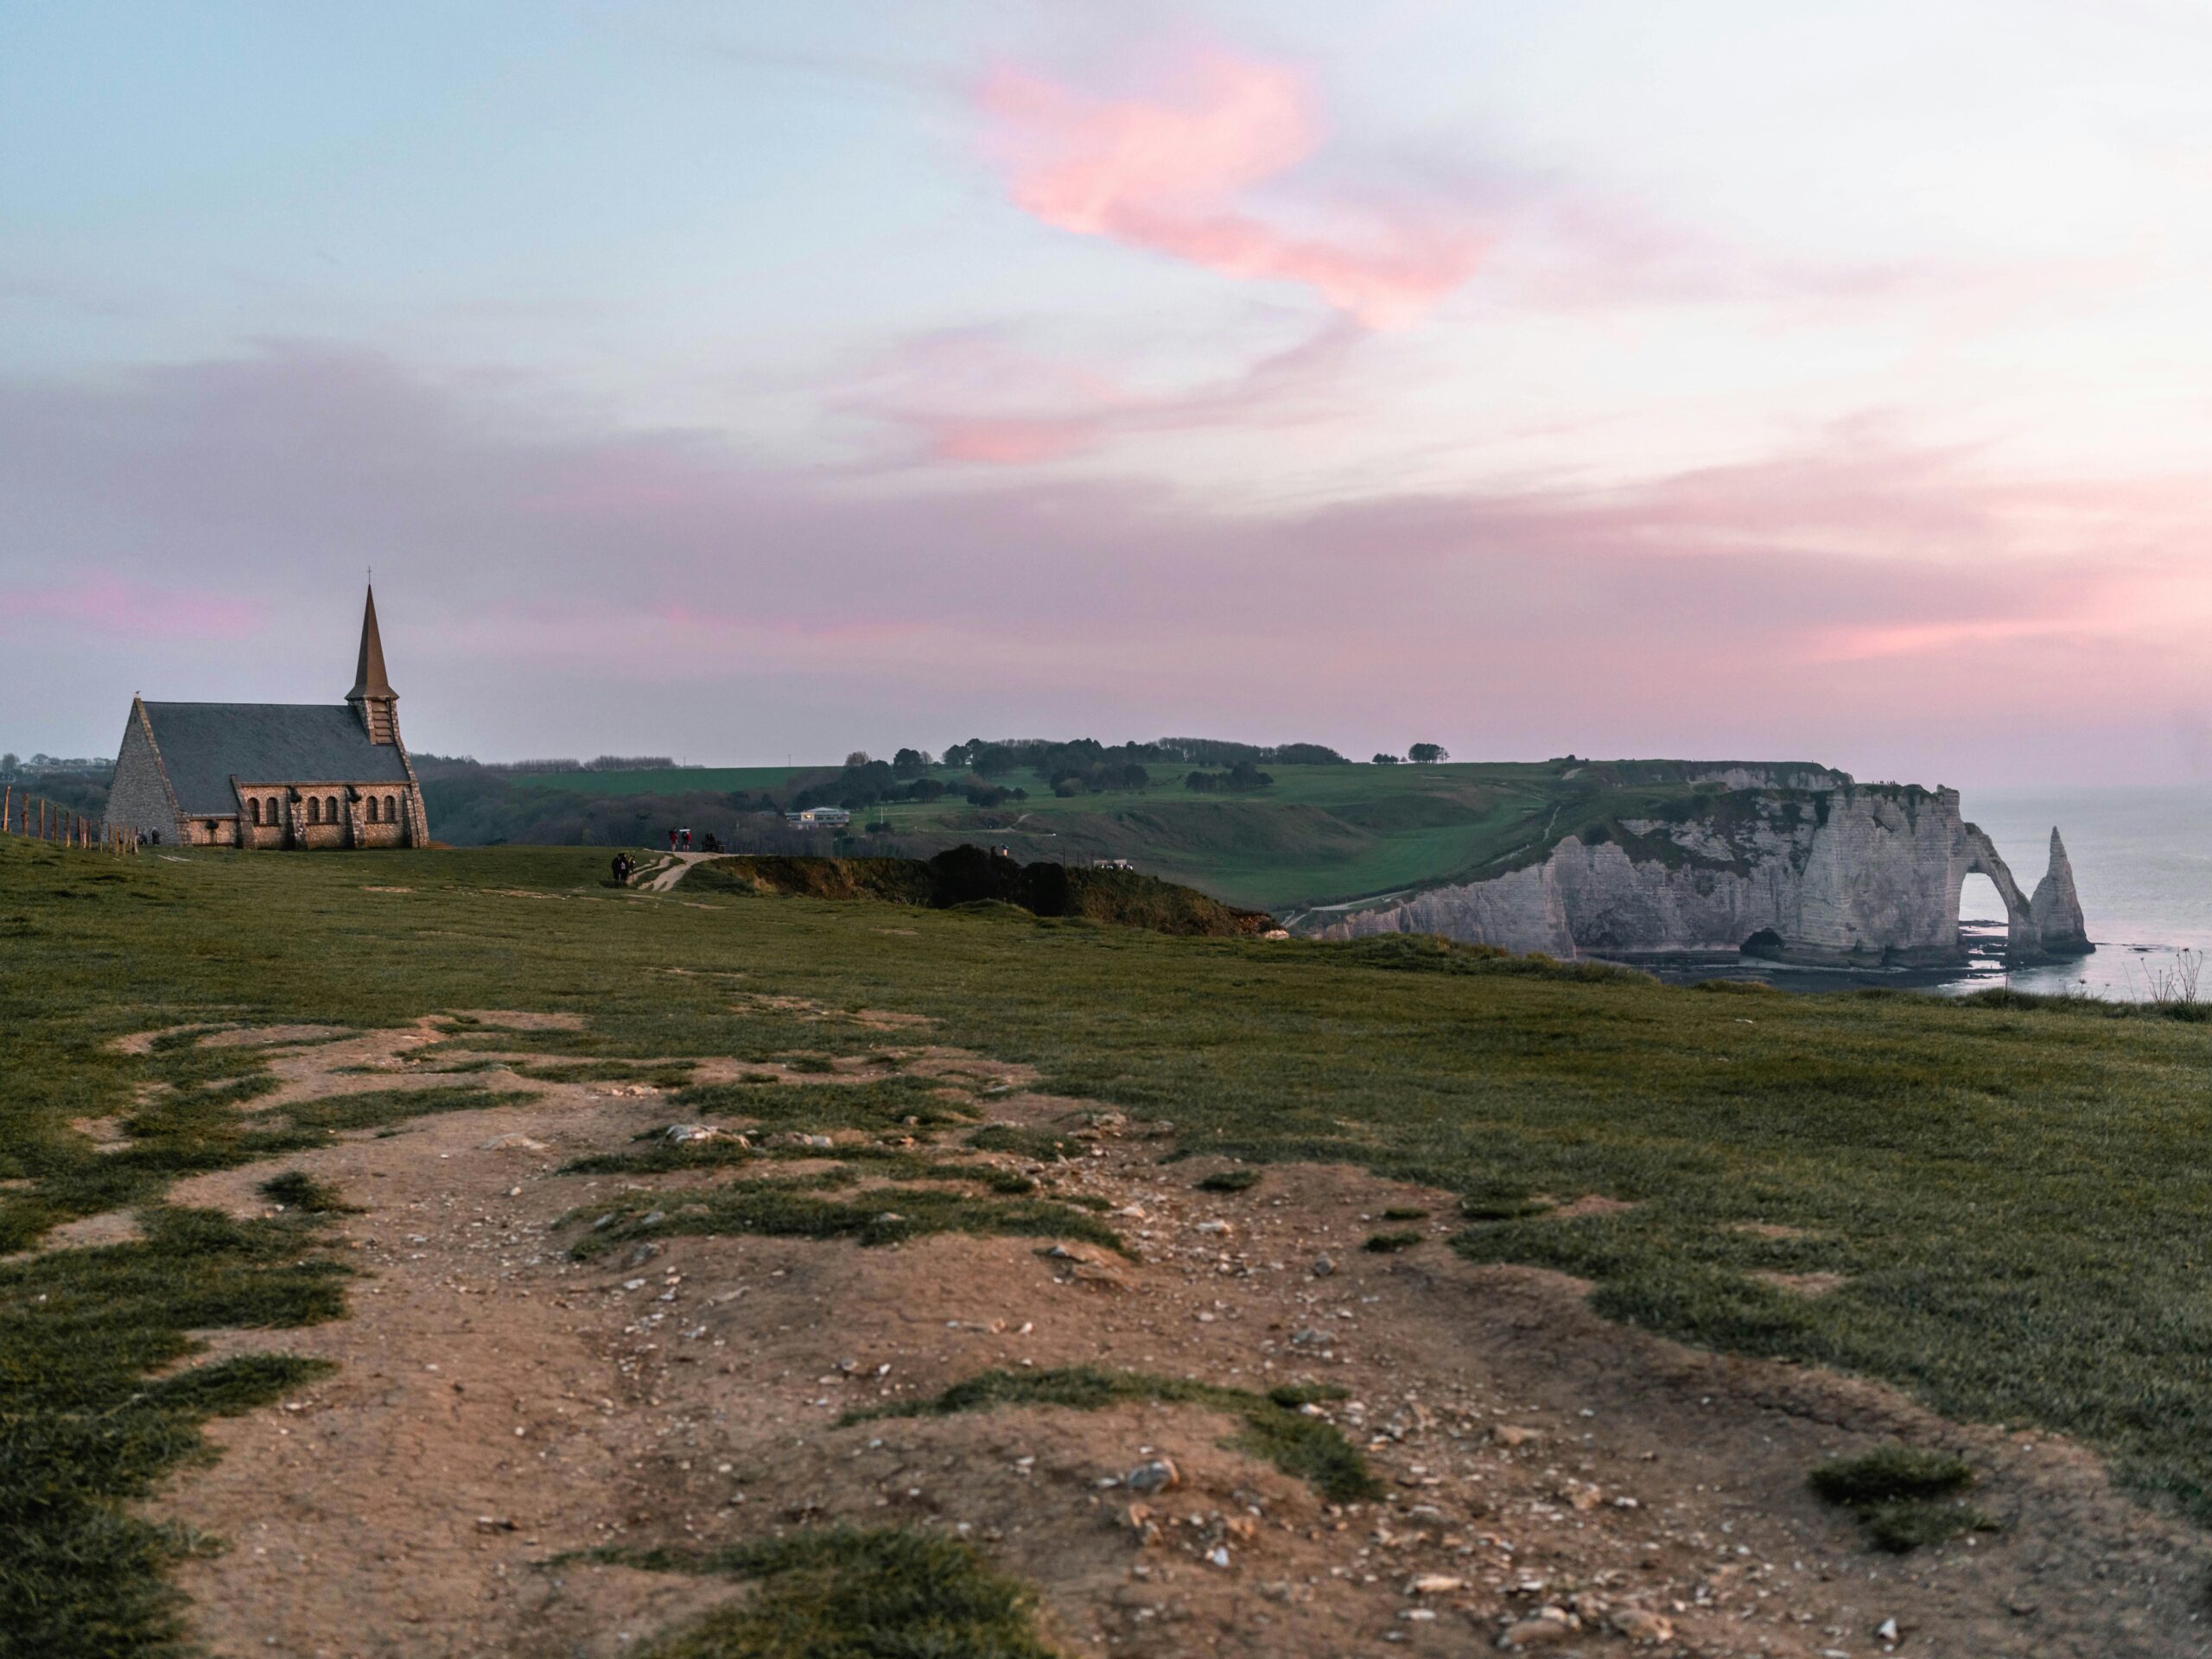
<point x="498" y="1404"/>
<point x="672" y="869"/>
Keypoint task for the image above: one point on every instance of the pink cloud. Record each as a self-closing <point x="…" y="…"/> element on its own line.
<point x="118" y="610"/>
<point x="1165" y="174"/>
<point x="1889" y="607"/>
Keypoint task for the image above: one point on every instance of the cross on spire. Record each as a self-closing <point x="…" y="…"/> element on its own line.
<point x="369" y="679"/>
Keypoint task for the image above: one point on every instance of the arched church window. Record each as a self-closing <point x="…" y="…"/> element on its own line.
<point x="254" y="807"/>
<point x="391" y="809"/>
<point x="314" y="810"/>
<point x="330" y="808"/>
<point x="371" y="801"/>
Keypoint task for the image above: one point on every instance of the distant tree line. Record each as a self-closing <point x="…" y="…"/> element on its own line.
<point x="539" y="768"/>
<point x="1093" y="766"/>
<point x="14" y="767"/>
<point x="1242" y="779"/>
<point x="480" y="803"/>
<point x="865" y="784"/>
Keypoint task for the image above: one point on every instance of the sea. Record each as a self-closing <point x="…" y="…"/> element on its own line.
<point x="2142" y="861"/>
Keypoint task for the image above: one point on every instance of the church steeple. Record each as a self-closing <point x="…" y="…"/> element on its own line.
<point x="372" y="696"/>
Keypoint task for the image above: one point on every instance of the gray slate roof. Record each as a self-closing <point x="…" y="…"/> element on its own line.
<point x="203" y="744"/>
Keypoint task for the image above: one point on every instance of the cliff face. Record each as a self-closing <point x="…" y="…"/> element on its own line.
<point x="1855" y="875"/>
<point x="2056" y="908"/>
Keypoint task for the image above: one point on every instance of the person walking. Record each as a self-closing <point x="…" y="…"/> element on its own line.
<point x="671" y="841"/>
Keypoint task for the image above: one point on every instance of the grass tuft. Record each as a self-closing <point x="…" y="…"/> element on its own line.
<point x="910" y="1104"/>
<point x="1231" y="1180"/>
<point x="1890" y="1473"/>
<point x="1900" y="1493"/>
<point x="887" y="1593"/>
<point x="1306" y="1448"/>
<point x="382" y="1107"/>
<point x="1390" y="1244"/>
<point x="887" y="1215"/>
<point x="297" y="1190"/>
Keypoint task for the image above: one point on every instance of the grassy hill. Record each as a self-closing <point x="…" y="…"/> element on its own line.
<point x="1992" y="1184"/>
<point x="1316" y="835"/>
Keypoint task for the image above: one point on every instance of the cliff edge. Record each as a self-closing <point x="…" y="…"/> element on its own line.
<point x="1844" y="876"/>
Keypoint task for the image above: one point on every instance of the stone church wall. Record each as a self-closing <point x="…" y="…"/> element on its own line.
<point x="139" y="798"/>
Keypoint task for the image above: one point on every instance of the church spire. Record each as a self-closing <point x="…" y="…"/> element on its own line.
<point x="368" y="677"/>
<point x="372" y="696"/>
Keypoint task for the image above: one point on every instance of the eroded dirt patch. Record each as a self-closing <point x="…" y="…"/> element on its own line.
<point x="499" y="1404"/>
<point x="522" y="1020"/>
<point x="86" y="1232"/>
<point x="270" y="1036"/>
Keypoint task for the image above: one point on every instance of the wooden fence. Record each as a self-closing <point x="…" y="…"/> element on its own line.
<point x="37" y="818"/>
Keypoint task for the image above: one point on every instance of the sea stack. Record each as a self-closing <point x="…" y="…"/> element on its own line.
<point x="2056" y="908"/>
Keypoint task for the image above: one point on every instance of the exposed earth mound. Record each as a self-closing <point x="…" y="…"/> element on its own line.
<point x="854" y="1320"/>
<point x="970" y="875"/>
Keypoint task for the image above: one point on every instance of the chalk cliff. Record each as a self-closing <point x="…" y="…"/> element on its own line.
<point x="2056" y="908"/>
<point x="1853" y="875"/>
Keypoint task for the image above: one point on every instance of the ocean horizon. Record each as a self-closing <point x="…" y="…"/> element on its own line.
<point x="2142" y="860"/>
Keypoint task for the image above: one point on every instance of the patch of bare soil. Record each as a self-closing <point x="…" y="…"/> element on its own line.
<point x="86" y="1232"/>
<point x="106" y="1133"/>
<point x="874" y="1018"/>
<point x="498" y="1405"/>
<point x="142" y="1042"/>
<point x="270" y="1036"/>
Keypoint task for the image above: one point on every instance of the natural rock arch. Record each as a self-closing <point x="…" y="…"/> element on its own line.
<point x="2047" y="924"/>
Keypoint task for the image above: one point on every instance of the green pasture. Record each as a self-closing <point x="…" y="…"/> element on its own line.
<point x="1318" y="836"/>
<point x="2013" y="1192"/>
<point x="670" y="780"/>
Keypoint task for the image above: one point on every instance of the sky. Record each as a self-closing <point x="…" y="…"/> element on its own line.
<point x="1717" y="380"/>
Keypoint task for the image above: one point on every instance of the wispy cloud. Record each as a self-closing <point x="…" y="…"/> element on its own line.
<point x="1171" y="172"/>
<point x="106" y="609"/>
<point x="972" y="396"/>
<point x="1863" y="600"/>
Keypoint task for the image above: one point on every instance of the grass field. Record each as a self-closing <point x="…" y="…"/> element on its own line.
<point x="1318" y="836"/>
<point x="2011" y="1193"/>
<point x="671" y="780"/>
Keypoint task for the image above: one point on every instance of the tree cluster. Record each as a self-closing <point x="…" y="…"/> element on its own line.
<point x="1242" y="779"/>
<point x="447" y="765"/>
<point x="873" y="782"/>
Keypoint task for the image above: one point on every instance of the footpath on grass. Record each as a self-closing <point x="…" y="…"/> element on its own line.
<point x="623" y="1337"/>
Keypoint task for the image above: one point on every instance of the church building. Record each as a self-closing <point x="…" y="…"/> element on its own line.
<point x="273" y="774"/>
